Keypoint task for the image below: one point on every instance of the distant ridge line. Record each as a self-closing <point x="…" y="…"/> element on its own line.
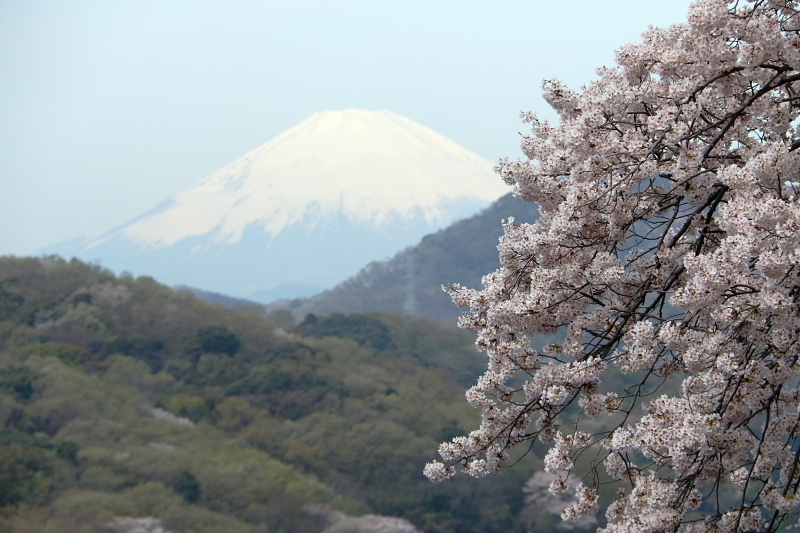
<point x="410" y="282"/>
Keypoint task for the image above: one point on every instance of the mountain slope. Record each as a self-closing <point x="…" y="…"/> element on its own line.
<point x="121" y="398"/>
<point x="411" y="281"/>
<point x="305" y="210"/>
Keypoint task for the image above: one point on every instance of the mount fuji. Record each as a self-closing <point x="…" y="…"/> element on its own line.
<point x="303" y="211"/>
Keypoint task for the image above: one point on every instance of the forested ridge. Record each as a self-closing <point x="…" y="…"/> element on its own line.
<point x="411" y="281"/>
<point x="120" y="397"/>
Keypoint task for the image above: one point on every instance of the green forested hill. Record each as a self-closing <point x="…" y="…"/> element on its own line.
<point x="411" y="282"/>
<point x="122" y="398"/>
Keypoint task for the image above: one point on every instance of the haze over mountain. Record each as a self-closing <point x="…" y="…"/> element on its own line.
<point x="411" y="281"/>
<point x="303" y="211"/>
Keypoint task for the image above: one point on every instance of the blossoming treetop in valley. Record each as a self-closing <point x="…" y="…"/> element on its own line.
<point x="668" y="249"/>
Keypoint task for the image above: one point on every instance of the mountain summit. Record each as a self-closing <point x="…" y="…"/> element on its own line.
<point x="304" y="210"/>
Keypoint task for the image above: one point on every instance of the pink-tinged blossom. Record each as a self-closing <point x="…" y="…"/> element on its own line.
<point x="668" y="248"/>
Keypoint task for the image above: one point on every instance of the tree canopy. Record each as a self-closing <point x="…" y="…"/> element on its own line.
<point x="667" y="251"/>
<point x="125" y="405"/>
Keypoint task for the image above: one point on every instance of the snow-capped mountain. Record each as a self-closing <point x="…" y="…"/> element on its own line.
<point x="304" y="210"/>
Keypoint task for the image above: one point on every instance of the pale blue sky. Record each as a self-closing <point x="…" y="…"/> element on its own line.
<point x="109" y="107"/>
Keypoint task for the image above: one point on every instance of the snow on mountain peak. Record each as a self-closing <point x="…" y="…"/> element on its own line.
<point x="372" y="167"/>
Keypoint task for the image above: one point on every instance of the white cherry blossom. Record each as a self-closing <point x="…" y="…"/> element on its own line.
<point x="668" y="249"/>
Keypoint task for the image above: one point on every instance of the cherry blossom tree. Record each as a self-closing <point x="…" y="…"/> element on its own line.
<point x="668" y="251"/>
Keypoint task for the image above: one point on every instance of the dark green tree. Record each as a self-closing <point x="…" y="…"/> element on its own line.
<point x="212" y="339"/>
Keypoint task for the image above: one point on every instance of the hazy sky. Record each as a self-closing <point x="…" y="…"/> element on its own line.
<point x="108" y="107"/>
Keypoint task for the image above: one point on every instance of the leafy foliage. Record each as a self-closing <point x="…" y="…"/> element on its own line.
<point x="361" y="328"/>
<point x="212" y="339"/>
<point x="122" y="398"/>
<point x="22" y="474"/>
<point x="187" y="486"/>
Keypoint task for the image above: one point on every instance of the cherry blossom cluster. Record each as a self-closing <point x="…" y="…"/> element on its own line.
<point x="667" y="256"/>
<point x="550" y="494"/>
